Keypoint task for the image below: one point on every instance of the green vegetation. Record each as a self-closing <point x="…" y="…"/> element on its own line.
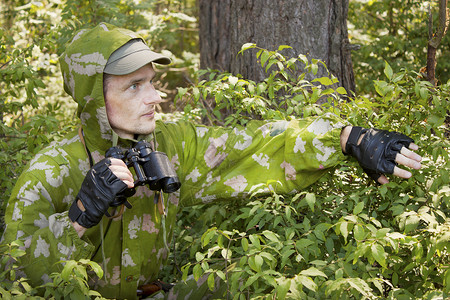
<point x="343" y="238"/>
<point x="395" y="31"/>
<point x="358" y="241"/>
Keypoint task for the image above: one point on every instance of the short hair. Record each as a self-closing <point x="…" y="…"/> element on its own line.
<point x="106" y="78"/>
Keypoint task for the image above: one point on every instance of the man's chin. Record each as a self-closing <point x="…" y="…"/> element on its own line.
<point x="148" y="130"/>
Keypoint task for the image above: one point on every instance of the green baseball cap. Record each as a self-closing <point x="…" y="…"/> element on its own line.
<point x="132" y="56"/>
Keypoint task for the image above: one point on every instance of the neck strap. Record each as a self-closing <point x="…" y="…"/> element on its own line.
<point x="81" y="135"/>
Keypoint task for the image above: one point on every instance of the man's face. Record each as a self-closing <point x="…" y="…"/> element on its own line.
<point x="130" y="102"/>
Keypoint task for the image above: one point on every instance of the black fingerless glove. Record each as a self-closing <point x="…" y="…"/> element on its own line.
<point x="98" y="191"/>
<point x="377" y="150"/>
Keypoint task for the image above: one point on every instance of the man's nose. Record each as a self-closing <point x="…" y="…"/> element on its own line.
<point x="152" y="96"/>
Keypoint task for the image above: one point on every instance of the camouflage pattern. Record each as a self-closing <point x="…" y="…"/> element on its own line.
<point x="213" y="164"/>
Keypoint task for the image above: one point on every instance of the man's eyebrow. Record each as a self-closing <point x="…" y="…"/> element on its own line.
<point x="136" y="80"/>
<point x="139" y="79"/>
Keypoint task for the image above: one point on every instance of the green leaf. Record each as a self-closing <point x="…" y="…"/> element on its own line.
<point x="68" y="268"/>
<point x="96" y="268"/>
<point x="307" y="282"/>
<point x="197" y="272"/>
<point x="259" y="261"/>
<point x="341" y="90"/>
<point x="395" y="278"/>
<point x="95" y="293"/>
<point x="221" y="275"/>
<point x="329" y="243"/>
<point x="247" y="46"/>
<point x="244" y="243"/>
<point x="358" y="208"/>
<point x="286" y="253"/>
<point x="423" y="93"/>
<point x="381" y="233"/>
<point x="359" y="232"/>
<point x="199" y="256"/>
<point x="268" y="256"/>
<point x="339" y="273"/>
<point x="271" y="236"/>
<point x="196" y="93"/>
<point x="283" y="287"/>
<point x="310" y="199"/>
<point x="411" y="223"/>
<point x="254" y="239"/>
<point x="226" y="253"/>
<point x="252" y="263"/>
<point x="388" y="70"/>
<point x="303" y="243"/>
<point x="185" y="271"/>
<point x="343" y="227"/>
<point x="251" y="280"/>
<point x="282" y="47"/>
<point x="207" y="236"/>
<point x="313" y="272"/>
<point x="314" y="68"/>
<point x="323" y="80"/>
<point x="379" y="254"/>
<point x="211" y="282"/>
<point x="264" y="57"/>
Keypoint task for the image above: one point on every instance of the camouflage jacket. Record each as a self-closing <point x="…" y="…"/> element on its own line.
<point x="213" y="164"/>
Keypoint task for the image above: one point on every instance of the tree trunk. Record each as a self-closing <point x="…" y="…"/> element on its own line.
<point x="316" y="28"/>
<point x="435" y="39"/>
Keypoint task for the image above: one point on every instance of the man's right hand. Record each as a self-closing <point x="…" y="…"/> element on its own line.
<point x="104" y="181"/>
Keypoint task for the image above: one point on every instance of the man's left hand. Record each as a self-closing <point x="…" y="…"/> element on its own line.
<point x="380" y="151"/>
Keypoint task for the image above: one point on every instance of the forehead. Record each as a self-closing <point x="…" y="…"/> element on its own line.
<point x="144" y="73"/>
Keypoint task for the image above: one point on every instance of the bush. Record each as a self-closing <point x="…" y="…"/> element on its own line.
<point x="343" y="237"/>
<point x="71" y="283"/>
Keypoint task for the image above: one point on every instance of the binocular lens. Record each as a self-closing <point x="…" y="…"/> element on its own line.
<point x="171" y="184"/>
<point x="160" y="173"/>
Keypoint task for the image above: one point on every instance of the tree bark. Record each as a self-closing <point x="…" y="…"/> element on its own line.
<point x="435" y="39"/>
<point x="315" y="28"/>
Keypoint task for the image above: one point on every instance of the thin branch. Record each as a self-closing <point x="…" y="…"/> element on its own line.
<point x="442" y="26"/>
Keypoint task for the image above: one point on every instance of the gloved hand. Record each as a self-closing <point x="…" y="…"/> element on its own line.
<point x="378" y="151"/>
<point x="98" y="191"/>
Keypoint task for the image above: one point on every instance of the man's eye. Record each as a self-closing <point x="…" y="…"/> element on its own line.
<point x="133" y="86"/>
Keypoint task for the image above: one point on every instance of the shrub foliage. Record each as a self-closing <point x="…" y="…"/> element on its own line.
<point x="344" y="237"/>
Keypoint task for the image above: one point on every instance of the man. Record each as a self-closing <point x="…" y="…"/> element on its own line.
<point x="59" y="203"/>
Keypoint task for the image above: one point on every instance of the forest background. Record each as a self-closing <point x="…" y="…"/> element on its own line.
<point x="360" y="241"/>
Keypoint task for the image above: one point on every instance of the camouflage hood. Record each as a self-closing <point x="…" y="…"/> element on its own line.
<point x="82" y="65"/>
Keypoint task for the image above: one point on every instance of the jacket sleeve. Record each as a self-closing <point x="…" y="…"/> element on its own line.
<point x="216" y="163"/>
<point x="37" y="213"/>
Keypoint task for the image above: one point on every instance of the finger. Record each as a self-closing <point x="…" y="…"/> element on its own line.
<point x="413" y="146"/>
<point x="407" y="162"/>
<point x="117" y="162"/>
<point x="410" y="154"/>
<point x="126" y="178"/>
<point x="120" y="169"/>
<point x="130" y="184"/>
<point x="383" y="180"/>
<point x="402" y="173"/>
<point x="124" y="174"/>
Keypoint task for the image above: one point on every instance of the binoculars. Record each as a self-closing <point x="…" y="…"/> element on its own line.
<point x="151" y="167"/>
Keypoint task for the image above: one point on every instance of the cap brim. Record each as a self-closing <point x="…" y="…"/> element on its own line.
<point x="131" y="58"/>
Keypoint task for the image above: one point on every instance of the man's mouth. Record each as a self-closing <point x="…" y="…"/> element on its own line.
<point x="150" y="114"/>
